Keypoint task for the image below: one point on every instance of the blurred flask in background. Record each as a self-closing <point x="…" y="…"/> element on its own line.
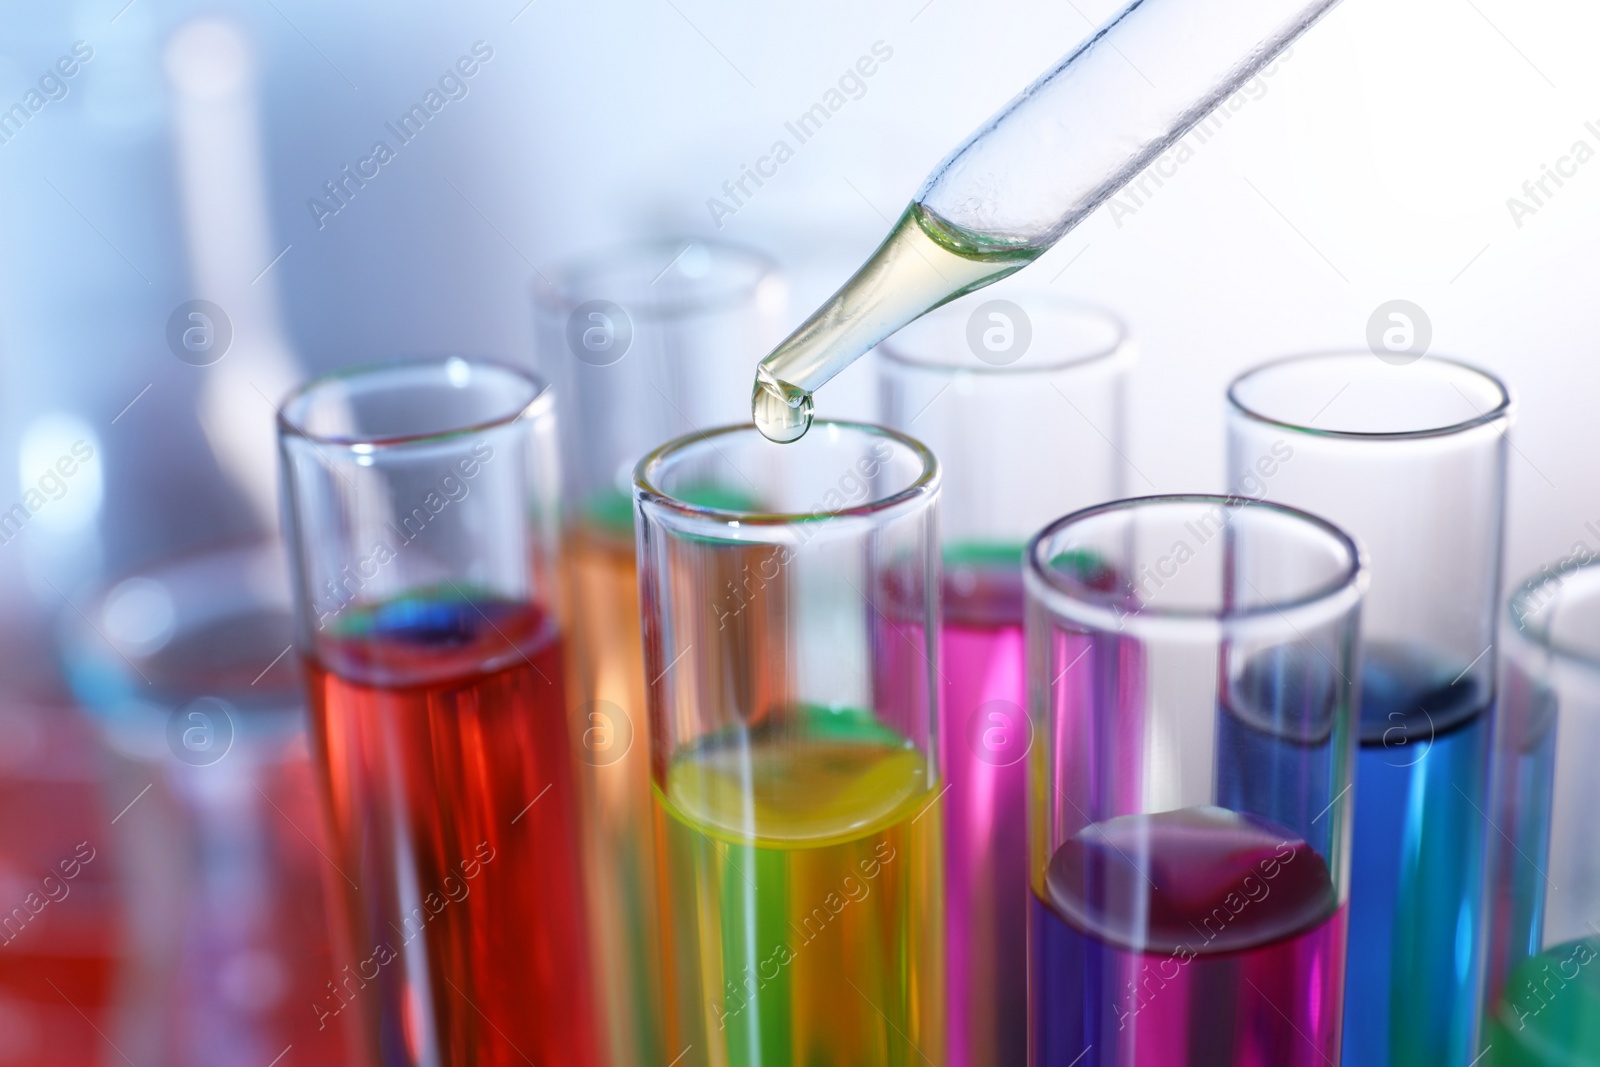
<point x="643" y="344"/>
<point x="173" y="167"/>
<point x="187" y="669"/>
<point x="92" y="265"/>
<point x="210" y="66"/>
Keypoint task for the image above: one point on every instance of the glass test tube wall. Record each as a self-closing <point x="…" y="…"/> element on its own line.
<point x="422" y="503"/>
<point x="790" y="604"/>
<point x="1543" y="989"/>
<point x="1020" y="394"/>
<point x="644" y="344"/>
<point x="1191" y="664"/>
<point x="1411" y="460"/>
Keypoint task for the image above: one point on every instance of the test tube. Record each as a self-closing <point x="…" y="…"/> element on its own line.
<point x="1543" y="988"/>
<point x="790" y="604"/>
<point x="994" y="384"/>
<point x="643" y="344"/>
<point x="422" y="510"/>
<point x="1411" y="459"/>
<point x="1178" y="647"/>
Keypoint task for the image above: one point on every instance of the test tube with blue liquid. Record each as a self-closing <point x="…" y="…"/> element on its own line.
<point x="1411" y="459"/>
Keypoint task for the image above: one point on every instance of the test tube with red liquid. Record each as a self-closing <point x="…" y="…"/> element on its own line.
<point x="422" y="513"/>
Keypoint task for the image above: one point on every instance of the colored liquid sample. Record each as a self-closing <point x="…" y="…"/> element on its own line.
<point x="1280" y="743"/>
<point x="1190" y="938"/>
<point x="607" y="660"/>
<point x="291" y="928"/>
<point x="61" y="920"/>
<point x="801" y="875"/>
<point x="441" y="726"/>
<point x="1417" y="873"/>
<point x="1549" y="1012"/>
<point x="1526" y="753"/>
<point x="923" y="262"/>
<point x="983" y="740"/>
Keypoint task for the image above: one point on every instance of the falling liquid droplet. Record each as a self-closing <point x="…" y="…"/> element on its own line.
<point x="782" y="412"/>
<point x="923" y="263"/>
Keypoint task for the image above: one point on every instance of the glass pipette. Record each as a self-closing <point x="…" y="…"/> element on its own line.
<point x="1036" y="169"/>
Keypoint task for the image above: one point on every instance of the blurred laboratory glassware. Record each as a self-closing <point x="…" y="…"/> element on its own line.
<point x="61" y="923"/>
<point x="188" y="670"/>
<point x="211" y="68"/>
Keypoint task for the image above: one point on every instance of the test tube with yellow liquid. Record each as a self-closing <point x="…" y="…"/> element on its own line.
<point x="789" y="595"/>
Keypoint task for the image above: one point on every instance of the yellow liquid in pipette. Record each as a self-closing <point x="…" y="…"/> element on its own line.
<point x="922" y="264"/>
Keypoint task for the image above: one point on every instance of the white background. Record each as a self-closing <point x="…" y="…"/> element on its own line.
<point x="1376" y="166"/>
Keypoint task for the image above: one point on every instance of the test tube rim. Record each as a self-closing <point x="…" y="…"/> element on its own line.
<point x="538" y="401"/>
<point x="553" y="296"/>
<point x="1103" y="613"/>
<point x="1539" y="639"/>
<point x="647" y="494"/>
<point x="1113" y="355"/>
<point x="1500" y="411"/>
